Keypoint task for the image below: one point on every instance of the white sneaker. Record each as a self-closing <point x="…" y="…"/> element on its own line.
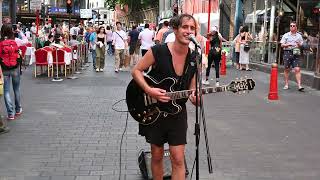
<point x="120" y="69"/>
<point x="97" y="70"/>
<point x="101" y="70"/>
<point x="116" y="70"/>
<point x="217" y="84"/>
<point x="205" y="82"/>
<point x="286" y="87"/>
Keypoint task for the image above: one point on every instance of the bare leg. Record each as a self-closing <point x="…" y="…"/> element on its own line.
<point x="177" y="161"/>
<point x="157" y="162"/>
<point x="286" y="76"/>
<point x="298" y="76"/>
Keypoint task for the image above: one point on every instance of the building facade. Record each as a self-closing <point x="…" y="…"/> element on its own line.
<point x="270" y="20"/>
<point x="54" y="9"/>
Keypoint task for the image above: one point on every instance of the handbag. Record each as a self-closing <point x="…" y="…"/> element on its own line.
<point x="246" y="47"/>
<point x="296" y="51"/>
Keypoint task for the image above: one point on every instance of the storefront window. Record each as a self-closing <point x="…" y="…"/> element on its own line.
<point x="267" y="50"/>
<point x="22" y="6"/>
<point x="5" y="8"/>
<point x="308" y="23"/>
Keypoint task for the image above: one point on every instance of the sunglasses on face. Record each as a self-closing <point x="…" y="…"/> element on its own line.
<point x="292" y="25"/>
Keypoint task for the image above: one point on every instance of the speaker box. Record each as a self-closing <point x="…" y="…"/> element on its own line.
<point x="144" y="161"/>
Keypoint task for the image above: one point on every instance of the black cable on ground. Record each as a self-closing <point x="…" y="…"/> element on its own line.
<point x="124" y="131"/>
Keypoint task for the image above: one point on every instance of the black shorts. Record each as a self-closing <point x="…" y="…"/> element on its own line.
<point x="133" y="49"/>
<point x="290" y="60"/>
<point x="171" y="130"/>
<point x="237" y="57"/>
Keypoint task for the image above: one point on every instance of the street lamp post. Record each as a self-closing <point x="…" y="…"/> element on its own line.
<point x="13" y="11"/>
<point x="1" y="13"/>
<point x="264" y="30"/>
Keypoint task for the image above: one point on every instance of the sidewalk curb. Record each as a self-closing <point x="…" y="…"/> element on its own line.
<point x="308" y="78"/>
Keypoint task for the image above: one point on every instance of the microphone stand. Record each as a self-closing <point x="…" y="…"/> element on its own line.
<point x="198" y="93"/>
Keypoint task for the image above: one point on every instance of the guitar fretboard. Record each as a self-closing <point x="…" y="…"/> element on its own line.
<point x="186" y="93"/>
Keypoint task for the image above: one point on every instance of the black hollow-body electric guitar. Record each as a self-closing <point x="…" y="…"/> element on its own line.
<point x="146" y="109"/>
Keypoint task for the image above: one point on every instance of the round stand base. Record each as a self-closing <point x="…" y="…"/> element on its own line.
<point x="57" y="79"/>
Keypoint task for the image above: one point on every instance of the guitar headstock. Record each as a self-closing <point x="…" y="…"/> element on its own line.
<point x="239" y="85"/>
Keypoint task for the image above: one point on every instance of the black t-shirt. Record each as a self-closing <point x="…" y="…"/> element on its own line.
<point x="215" y="42"/>
<point x="163" y="68"/>
<point x="47" y="43"/>
<point x="134" y="34"/>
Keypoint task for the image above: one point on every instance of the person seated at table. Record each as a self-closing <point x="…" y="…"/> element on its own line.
<point x="73" y="41"/>
<point x="20" y="42"/>
<point x="49" y="41"/>
<point x="58" y="39"/>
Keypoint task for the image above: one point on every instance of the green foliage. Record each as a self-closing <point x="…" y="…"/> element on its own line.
<point x="133" y="4"/>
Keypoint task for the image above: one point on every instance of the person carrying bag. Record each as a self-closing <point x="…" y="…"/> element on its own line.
<point x="9" y="60"/>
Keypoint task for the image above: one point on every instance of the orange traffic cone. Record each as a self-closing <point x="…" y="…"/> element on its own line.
<point x="223" y="68"/>
<point x="273" y="91"/>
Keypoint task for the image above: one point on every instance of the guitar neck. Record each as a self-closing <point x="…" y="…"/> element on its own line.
<point x="186" y="93"/>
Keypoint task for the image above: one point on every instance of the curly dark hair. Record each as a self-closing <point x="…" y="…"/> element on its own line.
<point x="176" y="21"/>
<point x="244" y="29"/>
<point x="101" y="27"/>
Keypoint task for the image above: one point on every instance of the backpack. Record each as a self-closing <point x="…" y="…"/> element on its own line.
<point x="9" y="53"/>
<point x="87" y="37"/>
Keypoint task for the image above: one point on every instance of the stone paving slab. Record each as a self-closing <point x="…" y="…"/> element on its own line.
<point x="69" y="131"/>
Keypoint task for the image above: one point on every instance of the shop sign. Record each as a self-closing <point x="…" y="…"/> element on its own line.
<point x="35" y="4"/>
<point x="85" y="13"/>
<point x="60" y="10"/>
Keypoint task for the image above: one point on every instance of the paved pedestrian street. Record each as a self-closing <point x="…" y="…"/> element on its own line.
<point x="68" y="131"/>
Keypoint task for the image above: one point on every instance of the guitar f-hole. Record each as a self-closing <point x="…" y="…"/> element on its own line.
<point x="165" y="114"/>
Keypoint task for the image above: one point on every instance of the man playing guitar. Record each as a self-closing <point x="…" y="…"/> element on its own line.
<point x="169" y="60"/>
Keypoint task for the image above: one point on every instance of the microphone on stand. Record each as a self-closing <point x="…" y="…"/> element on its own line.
<point x="194" y="40"/>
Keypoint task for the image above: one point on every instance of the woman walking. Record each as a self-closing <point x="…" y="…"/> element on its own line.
<point x="109" y="41"/>
<point x="101" y="46"/>
<point x="245" y="38"/>
<point x="214" y="54"/>
<point x="10" y="68"/>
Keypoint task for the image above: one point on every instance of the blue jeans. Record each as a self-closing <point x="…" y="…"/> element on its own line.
<point x="110" y="48"/>
<point x="94" y="57"/>
<point x="13" y="75"/>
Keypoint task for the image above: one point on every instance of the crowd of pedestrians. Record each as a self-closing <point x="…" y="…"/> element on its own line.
<point x="126" y="48"/>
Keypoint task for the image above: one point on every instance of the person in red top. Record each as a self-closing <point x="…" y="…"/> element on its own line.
<point x="10" y="73"/>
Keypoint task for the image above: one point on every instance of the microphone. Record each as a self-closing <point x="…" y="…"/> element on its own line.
<point x="194" y="40"/>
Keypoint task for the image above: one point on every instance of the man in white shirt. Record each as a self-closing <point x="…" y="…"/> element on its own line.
<point x="120" y="44"/>
<point x="290" y="42"/>
<point x="146" y="37"/>
<point x="74" y="30"/>
<point x="33" y="30"/>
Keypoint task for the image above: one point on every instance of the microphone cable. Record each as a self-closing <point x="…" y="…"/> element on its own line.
<point x="123" y="133"/>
